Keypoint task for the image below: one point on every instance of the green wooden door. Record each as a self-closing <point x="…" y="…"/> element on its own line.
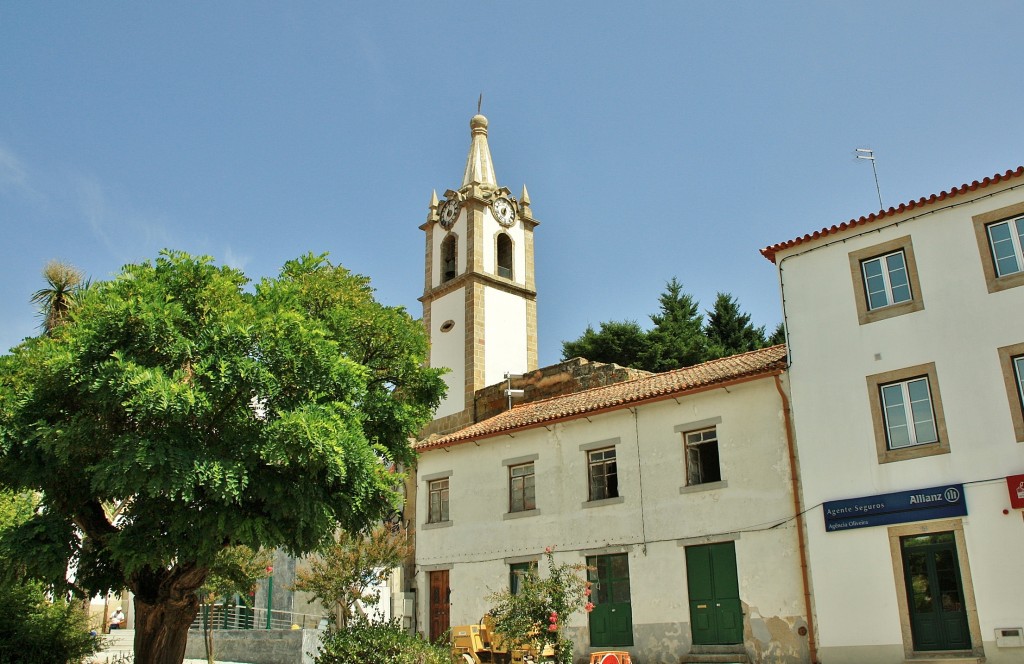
<point x="938" y="616"/>
<point x="611" y="621"/>
<point x="716" y="617"/>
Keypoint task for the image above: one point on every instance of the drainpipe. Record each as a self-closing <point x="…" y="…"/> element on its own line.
<point x="812" y="645"/>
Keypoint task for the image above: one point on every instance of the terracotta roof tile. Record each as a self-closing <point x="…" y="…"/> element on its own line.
<point x="745" y="366"/>
<point x="769" y="252"/>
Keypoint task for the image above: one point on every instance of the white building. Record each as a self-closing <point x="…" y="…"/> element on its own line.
<point x="678" y="488"/>
<point x="906" y="342"/>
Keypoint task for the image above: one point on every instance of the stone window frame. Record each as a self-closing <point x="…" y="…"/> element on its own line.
<point x="1010" y="358"/>
<point x="857" y="258"/>
<point x="956" y="526"/>
<point x="587" y="448"/>
<point x="690" y="427"/>
<point x="428" y="480"/>
<point x="981" y="223"/>
<point x="509" y="464"/>
<point x="875" y="383"/>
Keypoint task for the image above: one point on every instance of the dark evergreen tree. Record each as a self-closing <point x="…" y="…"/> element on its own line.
<point x="677" y="339"/>
<point x="729" y="330"/>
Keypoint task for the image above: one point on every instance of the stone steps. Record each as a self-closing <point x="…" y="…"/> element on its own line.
<point x="716" y="655"/>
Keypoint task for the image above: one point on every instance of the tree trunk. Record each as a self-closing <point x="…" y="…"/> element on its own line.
<point x="166" y="603"/>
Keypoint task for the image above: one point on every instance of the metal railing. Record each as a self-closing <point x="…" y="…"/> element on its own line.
<point x="232" y="616"/>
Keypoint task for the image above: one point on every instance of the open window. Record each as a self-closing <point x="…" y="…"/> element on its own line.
<point x="504" y="246"/>
<point x="604" y="475"/>
<point x="702" y="464"/>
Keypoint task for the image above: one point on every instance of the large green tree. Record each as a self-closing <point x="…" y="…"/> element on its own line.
<point x="729" y="330"/>
<point x="677" y="338"/>
<point x="215" y="415"/>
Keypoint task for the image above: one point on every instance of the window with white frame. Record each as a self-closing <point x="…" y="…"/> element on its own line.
<point x="702" y="464"/>
<point x="1006" y="239"/>
<point x="909" y="417"/>
<point x="603" y="473"/>
<point x="886" y="281"/>
<point x="521" y="491"/>
<point x="437" y="511"/>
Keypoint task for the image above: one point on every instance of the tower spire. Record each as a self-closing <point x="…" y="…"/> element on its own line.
<point x="479" y="168"/>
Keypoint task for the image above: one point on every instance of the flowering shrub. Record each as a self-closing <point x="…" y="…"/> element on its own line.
<point x="535" y="616"/>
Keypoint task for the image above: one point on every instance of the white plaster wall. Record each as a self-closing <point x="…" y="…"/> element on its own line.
<point x="959" y="329"/>
<point x="448" y="349"/>
<point x="757" y="496"/>
<point x="505" y="335"/>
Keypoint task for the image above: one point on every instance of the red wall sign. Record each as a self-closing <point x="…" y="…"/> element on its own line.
<point x="1015" y="485"/>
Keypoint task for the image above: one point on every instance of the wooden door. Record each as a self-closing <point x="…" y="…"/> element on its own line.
<point x="611" y="621"/>
<point x="716" y="615"/>
<point x="440" y="604"/>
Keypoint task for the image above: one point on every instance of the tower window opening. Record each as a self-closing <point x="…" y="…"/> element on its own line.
<point x="504" y="256"/>
<point x="448" y="259"/>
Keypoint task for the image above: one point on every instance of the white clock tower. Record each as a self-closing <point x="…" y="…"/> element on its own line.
<point x="479" y="298"/>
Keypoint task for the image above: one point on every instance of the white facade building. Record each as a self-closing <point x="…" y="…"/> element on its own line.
<point x="677" y="487"/>
<point x="906" y="342"/>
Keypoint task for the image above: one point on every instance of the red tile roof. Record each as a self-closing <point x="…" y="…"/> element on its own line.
<point x="769" y="252"/>
<point x="716" y="373"/>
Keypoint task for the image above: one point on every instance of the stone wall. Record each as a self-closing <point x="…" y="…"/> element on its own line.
<point x="566" y="377"/>
<point x="257" y="646"/>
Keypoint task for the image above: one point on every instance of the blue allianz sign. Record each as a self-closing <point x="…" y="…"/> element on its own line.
<point x="901" y="507"/>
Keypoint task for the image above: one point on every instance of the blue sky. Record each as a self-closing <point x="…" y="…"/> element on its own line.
<point x="657" y="139"/>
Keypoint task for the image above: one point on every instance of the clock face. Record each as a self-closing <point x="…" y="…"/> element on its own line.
<point x="503" y="211"/>
<point x="449" y="212"/>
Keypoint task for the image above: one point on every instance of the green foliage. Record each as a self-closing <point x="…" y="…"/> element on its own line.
<point x="729" y="330"/>
<point x="679" y="336"/>
<point x="535" y="616"/>
<point x="622" y="342"/>
<point x="36" y="629"/>
<point x="368" y="642"/>
<point x="345" y="573"/>
<point x="212" y="415"/>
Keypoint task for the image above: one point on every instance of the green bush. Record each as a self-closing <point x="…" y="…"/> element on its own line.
<point x="39" y="631"/>
<point x="370" y="642"/>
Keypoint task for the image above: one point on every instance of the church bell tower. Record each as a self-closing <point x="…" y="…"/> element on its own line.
<point x="479" y="297"/>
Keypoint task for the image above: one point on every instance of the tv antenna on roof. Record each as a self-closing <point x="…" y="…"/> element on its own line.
<point x="866" y="153"/>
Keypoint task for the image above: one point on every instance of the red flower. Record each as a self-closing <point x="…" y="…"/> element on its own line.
<point x="552" y="627"/>
<point x="547" y="549"/>
<point x="589" y="607"/>
<point x="586" y="593"/>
